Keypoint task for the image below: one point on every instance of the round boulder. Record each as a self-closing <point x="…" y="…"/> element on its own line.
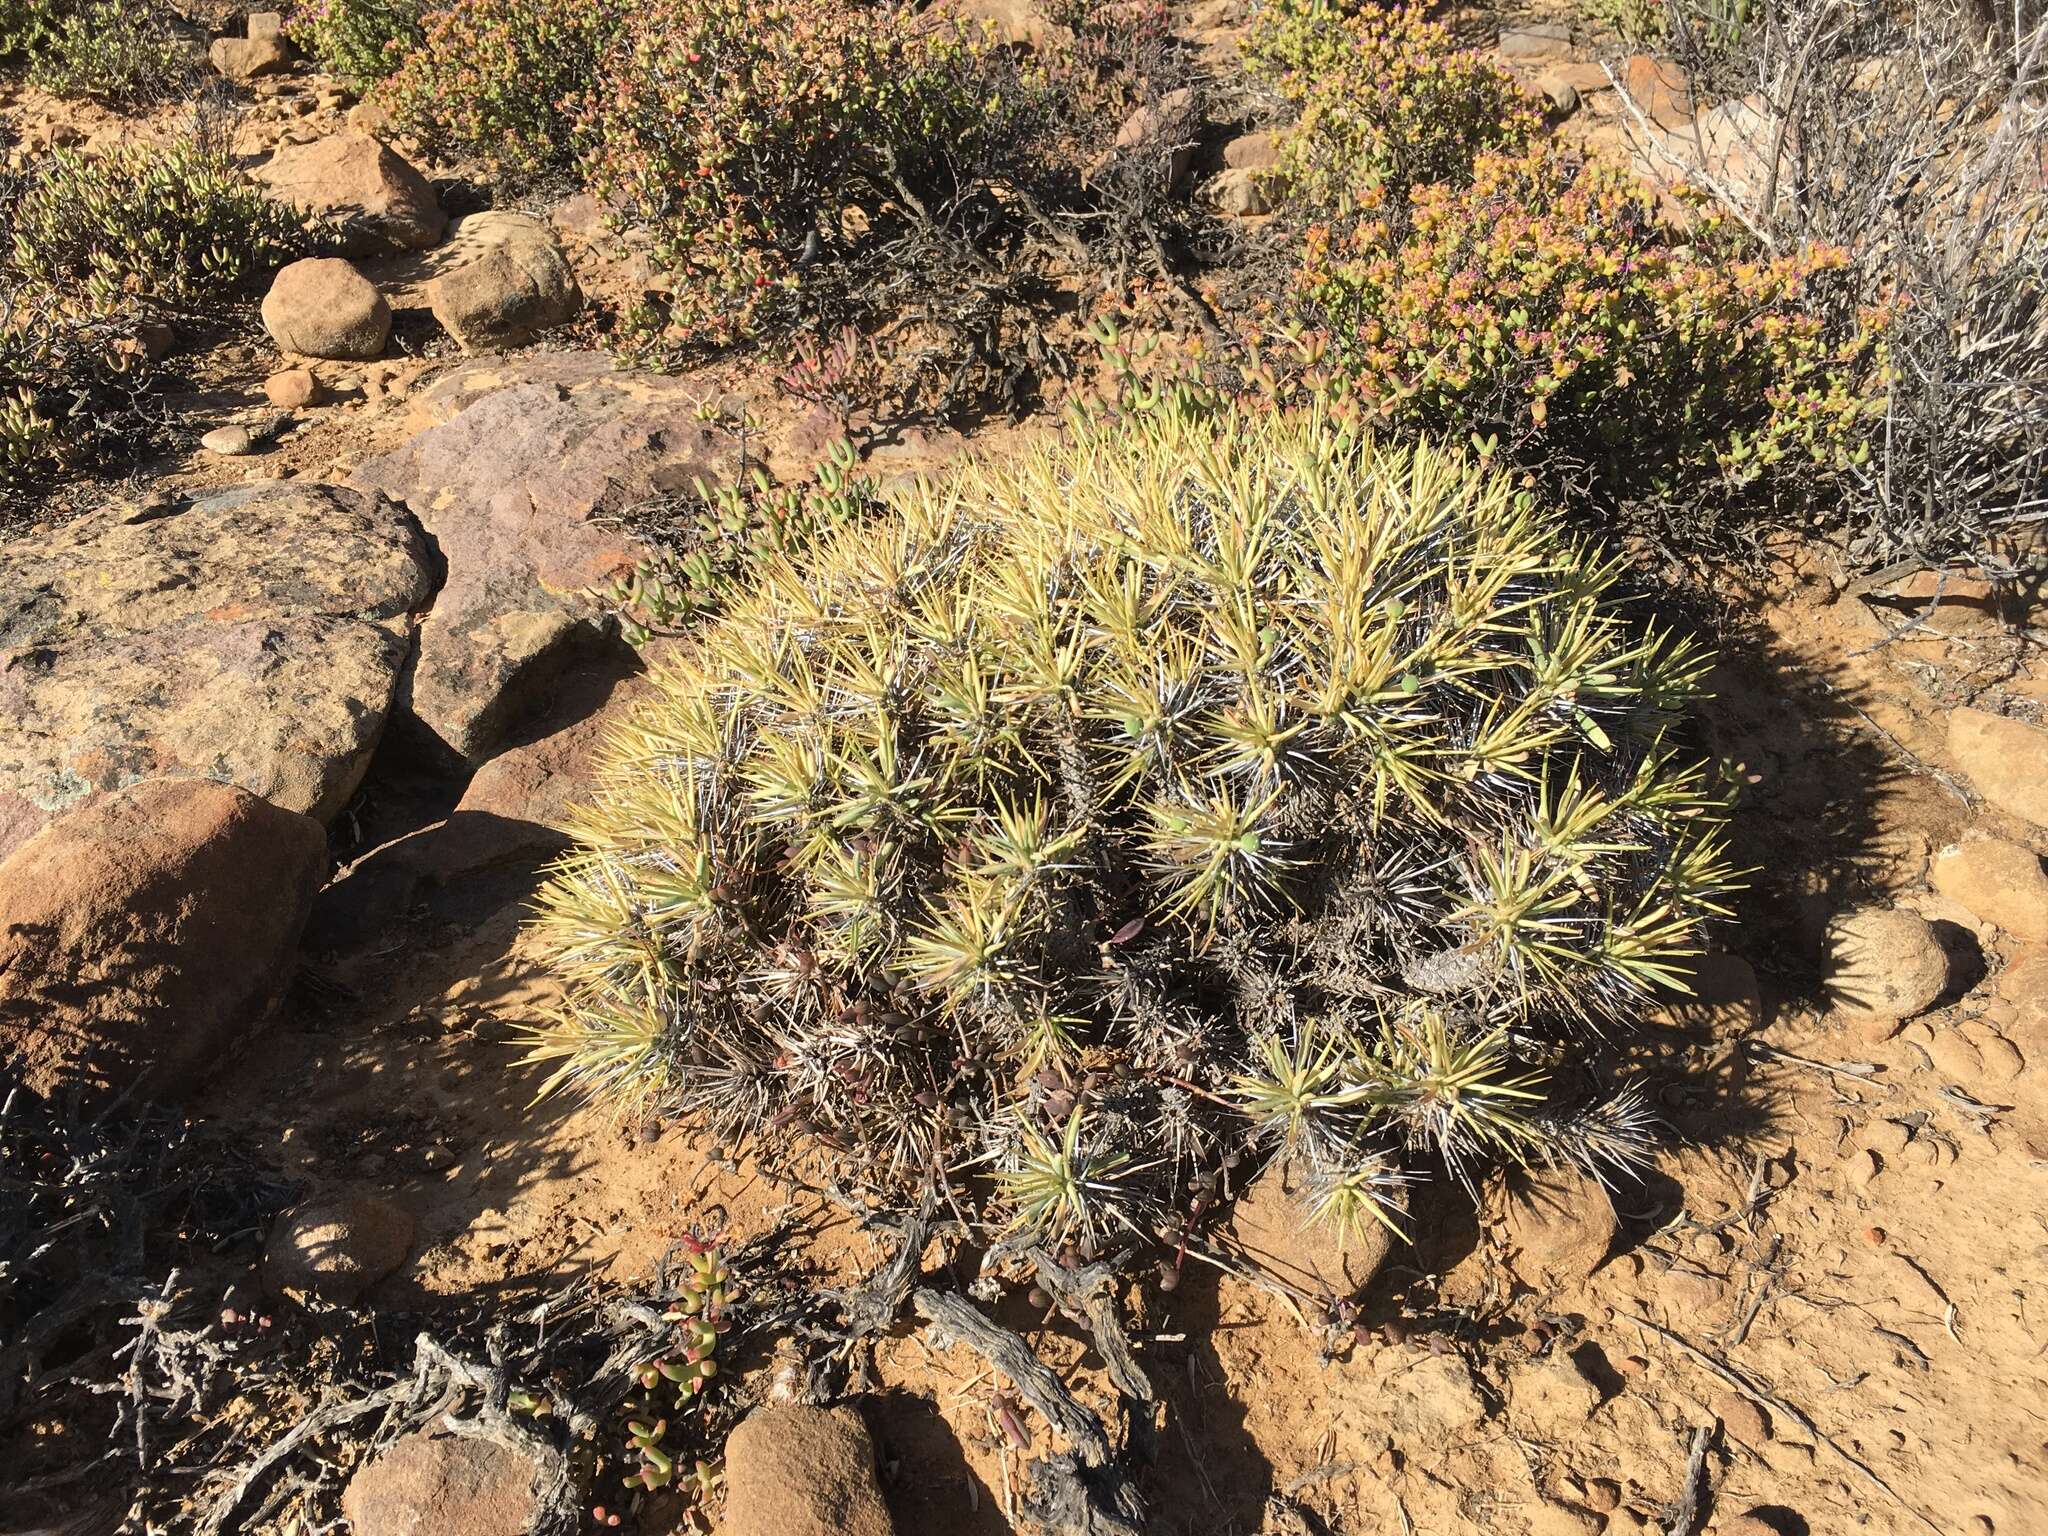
<point x="1272" y="1223"/>
<point x="795" y="1470"/>
<point x="337" y="1248"/>
<point x="517" y="285"/>
<point x="142" y="933"/>
<point x="1559" y="1225"/>
<point x="1884" y="963"/>
<point x="323" y="307"/>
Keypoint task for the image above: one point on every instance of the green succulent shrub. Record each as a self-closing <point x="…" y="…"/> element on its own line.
<point x="122" y="52"/>
<point x="94" y="249"/>
<point x="1206" y="783"/>
<point x="738" y="135"/>
<point x="502" y="80"/>
<point x="1547" y="302"/>
<point x="358" y="40"/>
<point x="1383" y="98"/>
<point x="176" y="224"/>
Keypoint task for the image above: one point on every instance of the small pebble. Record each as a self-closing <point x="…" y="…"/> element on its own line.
<point x="1603" y="1494"/>
<point x="291" y="388"/>
<point x="1875" y="1236"/>
<point x="229" y="442"/>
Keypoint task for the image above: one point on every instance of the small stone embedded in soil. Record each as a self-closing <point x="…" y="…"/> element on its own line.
<point x="1743" y="1525"/>
<point x="1955" y="1057"/>
<point x="1884" y="962"/>
<point x="338" y="1247"/>
<point x="1691" y="1292"/>
<point x="1548" y="1519"/>
<point x="1741" y="1418"/>
<point x="796" y="1470"/>
<point x="1603" y="1495"/>
<point x="1550" y="1398"/>
<point x="1434" y="1399"/>
<point x="1560" y="1225"/>
<point x="290" y="388"/>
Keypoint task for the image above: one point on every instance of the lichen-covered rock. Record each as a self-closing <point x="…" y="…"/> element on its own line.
<point x="512" y="284"/>
<point x="517" y="485"/>
<point x="337" y="1247"/>
<point x="355" y="184"/>
<point x="140" y="935"/>
<point x="254" y="636"/>
<point x="323" y="307"/>
<point x="796" y="1470"/>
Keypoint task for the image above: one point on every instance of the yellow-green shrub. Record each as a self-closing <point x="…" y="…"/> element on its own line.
<point x="1384" y="97"/>
<point x="502" y="81"/>
<point x="176" y="224"/>
<point x="1548" y="303"/>
<point x="1199" y="784"/>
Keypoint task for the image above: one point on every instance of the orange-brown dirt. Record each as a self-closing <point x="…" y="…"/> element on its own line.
<point x="1850" y="1222"/>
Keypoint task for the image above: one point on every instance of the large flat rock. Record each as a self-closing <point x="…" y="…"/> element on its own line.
<point x="255" y="637"/>
<point x="521" y="473"/>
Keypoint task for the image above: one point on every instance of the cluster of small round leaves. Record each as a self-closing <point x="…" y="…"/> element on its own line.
<point x="359" y="40"/>
<point x="503" y="81"/>
<point x="743" y="136"/>
<point x="1200" y="781"/>
<point x="1384" y="97"/>
<point x="1549" y="298"/>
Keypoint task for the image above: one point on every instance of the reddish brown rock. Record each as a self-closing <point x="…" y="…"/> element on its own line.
<point x="1558" y="1226"/>
<point x="2000" y="883"/>
<point x="254" y="636"/>
<point x="249" y="58"/>
<point x="430" y="1484"/>
<point x="357" y="186"/>
<point x="290" y="388"/>
<point x="2006" y="759"/>
<point x="1270" y="1222"/>
<point x="141" y="935"/>
<point x="1658" y="88"/>
<point x="519" y="486"/>
<point x="795" y="1470"/>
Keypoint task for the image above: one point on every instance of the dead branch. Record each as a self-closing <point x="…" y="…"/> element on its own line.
<point x="1083" y="1493"/>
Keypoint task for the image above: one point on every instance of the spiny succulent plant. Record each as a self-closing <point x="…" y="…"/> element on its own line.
<point x="1200" y="785"/>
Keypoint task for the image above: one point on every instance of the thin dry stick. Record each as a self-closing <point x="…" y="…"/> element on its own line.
<point x="1756" y="1394"/>
<point x="1688" y="1514"/>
